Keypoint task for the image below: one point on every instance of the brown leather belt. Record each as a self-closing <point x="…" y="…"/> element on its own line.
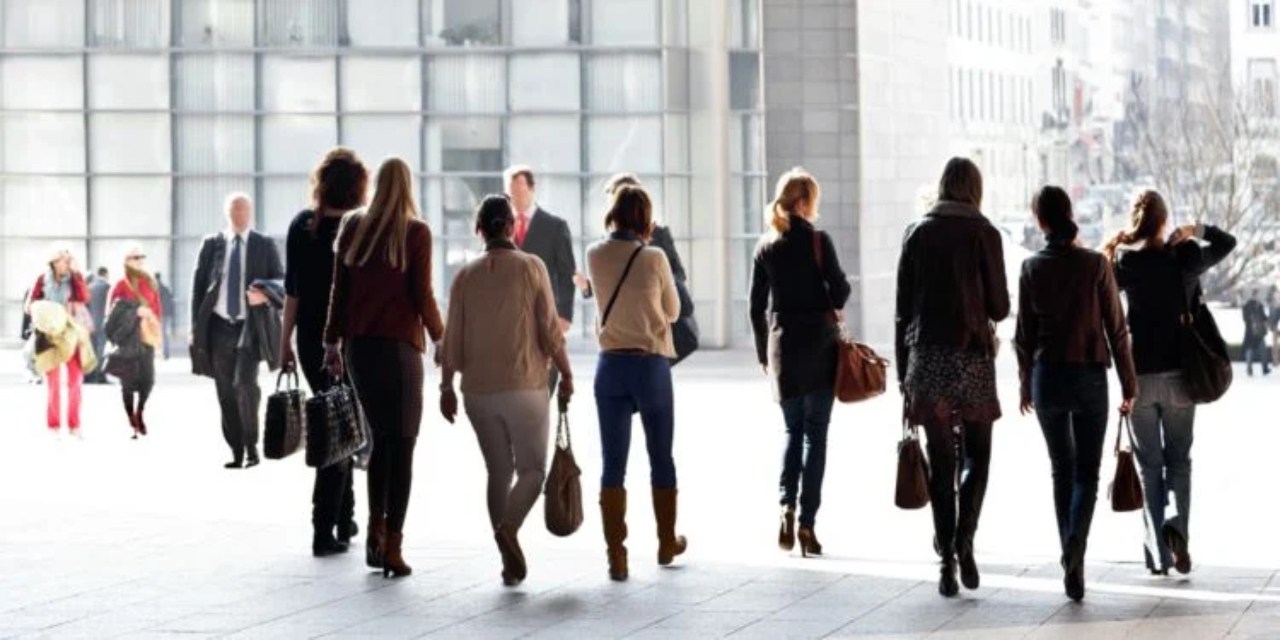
<point x="628" y="352"/>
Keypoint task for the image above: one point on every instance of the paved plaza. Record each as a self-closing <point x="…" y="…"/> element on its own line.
<point x="107" y="537"/>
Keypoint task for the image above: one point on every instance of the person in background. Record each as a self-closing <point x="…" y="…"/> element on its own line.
<point x="226" y="344"/>
<point x="796" y="300"/>
<point x="138" y="287"/>
<point x="1070" y="327"/>
<point x="170" y="319"/>
<point x="951" y="292"/>
<point x="338" y="185"/>
<point x="28" y="348"/>
<point x="546" y="236"/>
<point x="1158" y="277"/>
<point x="381" y="304"/>
<point x="1255" y="334"/>
<point x="99" y="289"/>
<point x="62" y="284"/>
<point x="501" y="332"/>
<point x="637" y="302"/>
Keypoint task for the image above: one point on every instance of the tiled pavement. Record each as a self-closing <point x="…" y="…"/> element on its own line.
<point x="110" y="538"/>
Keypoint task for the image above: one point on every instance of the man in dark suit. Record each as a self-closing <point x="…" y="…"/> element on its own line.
<point x="546" y="236"/>
<point x="224" y="342"/>
<point x="99" y="289"/>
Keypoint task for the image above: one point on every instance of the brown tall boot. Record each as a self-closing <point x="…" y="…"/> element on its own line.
<point x="613" y="513"/>
<point x="670" y="545"/>
<point x="393" y="565"/>
<point x="374" y="541"/>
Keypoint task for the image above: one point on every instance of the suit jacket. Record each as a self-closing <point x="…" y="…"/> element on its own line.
<point x="548" y="238"/>
<point x="98" y="291"/>
<point x="261" y="263"/>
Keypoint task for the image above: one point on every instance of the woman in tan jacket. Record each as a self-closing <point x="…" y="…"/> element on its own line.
<point x="502" y="331"/>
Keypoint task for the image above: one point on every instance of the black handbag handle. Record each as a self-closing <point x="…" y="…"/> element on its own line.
<point x="625" y="272"/>
<point x="1124" y="426"/>
<point x="288" y="377"/>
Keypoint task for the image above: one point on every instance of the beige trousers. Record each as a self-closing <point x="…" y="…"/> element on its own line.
<point x="513" y="430"/>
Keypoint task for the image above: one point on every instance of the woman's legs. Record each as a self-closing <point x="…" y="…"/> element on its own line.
<point x="792" y="452"/>
<point x="940" y="442"/>
<point x="817" y="418"/>
<point x="1148" y="448"/>
<point x="495" y="447"/>
<point x="973" y="482"/>
<point x="53" y="404"/>
<point x="614" y="406"/>
<point x="399" y="481"/>
<point x="75" y="377"/>
<point x="529" y="425"/>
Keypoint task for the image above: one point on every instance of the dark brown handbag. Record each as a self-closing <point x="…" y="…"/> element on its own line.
<point x="563" y="491"/>
<point x="912" y="490"/>
<point x="860" y="371"/>
<point x="1126" y="488"/>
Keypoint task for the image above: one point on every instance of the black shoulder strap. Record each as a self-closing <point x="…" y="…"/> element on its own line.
<point x="614" y="298"/>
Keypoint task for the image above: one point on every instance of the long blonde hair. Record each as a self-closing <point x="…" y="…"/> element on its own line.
<point x="794" y="187"/>
<point x="385" y="224"/>
<point x="1146" y="223"/>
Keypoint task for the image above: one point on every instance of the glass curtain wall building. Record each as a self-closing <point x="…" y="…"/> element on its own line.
<point x="130" y="120"/>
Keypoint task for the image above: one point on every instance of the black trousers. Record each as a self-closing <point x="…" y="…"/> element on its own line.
<point x="954" y="525"/>
<point x="333" y="498"/>
<point x="388" y="378"/>
<point x="239" y="402"/>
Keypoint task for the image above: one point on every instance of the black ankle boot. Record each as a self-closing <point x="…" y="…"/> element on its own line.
<point x="323" y="544"/>
<point x="947" y="586"/>
<point x="347" y="531"/>
<point x="968" y="565"/>
<point x="1073" y="569"/>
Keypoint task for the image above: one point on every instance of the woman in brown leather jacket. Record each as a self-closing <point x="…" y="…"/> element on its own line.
<point x="951" y="291"/>
<point x="1070" y="327"/>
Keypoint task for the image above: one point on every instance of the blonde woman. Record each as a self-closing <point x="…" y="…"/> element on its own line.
<point x="381" y="306"/>
<point x="62" y="284"/>
<point x="137" y="347"/>
<point x="797" y="292"/>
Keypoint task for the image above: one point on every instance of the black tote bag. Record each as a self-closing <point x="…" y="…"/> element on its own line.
<point x="1206" y="367"/>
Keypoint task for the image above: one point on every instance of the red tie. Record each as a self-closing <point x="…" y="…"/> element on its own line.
<point x="522" y="228"/>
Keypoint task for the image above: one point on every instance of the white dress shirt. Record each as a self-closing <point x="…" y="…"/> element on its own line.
<point x="221" y="307"/>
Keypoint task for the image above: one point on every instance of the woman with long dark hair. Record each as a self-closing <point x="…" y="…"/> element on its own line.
<point x="951" y="292"/>
<point x="382" y="305"/>
<point x="1070" y="327"/>
<point x="338" y="185"/>
<point x="1161" y="280"/>
<point x="797" y="293"/>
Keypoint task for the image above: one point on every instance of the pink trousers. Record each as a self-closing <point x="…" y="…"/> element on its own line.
<point x="53" y="380"/>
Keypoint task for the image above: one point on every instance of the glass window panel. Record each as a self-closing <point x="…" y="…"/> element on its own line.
<point x="380" y="137"/>
<point x="127" y="206"/>
<point x="42" y="142"/>
<point x="201" y="201"/>
<point x="676" y="148"/>
<point x="624" y="144"/>
<point x="746" y="143"/>
<point x="625" y="22"/>
<point x="393" y="24"/>
<point x="216" y="23"/>
<point x="745" y="18"/>
<point x="37" y="205"/>
<point x="744" y="80"/>
<point x="128" y="82"/>
<point x="624" y="82"/>
<point x="546" y="82"/>
<point x="458" y="23"/>
<point x="42" y="23"/>
<point x="548" y="143"/>
<point x="129" y="143"/>
<point x="215" y="144"/>
<point x="129" y="23"/>
<point x="675" y="207"/>
<point x="296" y="143"/>
<point x="594" y="202"/>
<point x="382" y="84"/>
<point x="215" y="83"/>
<point x="299" y="84"/>
<point x="676" y="82"/>
<point x="675" y="15"/>
<point x="298" y="23"/>
<point x="465" y="144"/>
<point x="41" y="82"/>
<point x="282" y="199"/>
<point x="468" y="84"/>
<point x="562" y="197"/>
<point x="543" y="22"/>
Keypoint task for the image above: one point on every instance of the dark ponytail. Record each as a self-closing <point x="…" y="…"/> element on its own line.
<point x="1052" y="207"/>
<point x="494" y="217"/>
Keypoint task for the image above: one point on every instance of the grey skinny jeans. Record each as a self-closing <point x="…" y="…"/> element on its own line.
<point x="1163" y="421"/>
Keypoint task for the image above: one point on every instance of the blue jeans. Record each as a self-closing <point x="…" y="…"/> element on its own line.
<point x="627" y="384"/>
<point x="1071" y="404"/>
<point x="1163" y="421"/>
<point x="804" y="458"/>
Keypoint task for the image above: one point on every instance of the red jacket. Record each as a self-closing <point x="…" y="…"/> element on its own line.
<point x="79" y="290"/>
<point x="148" y="293"/>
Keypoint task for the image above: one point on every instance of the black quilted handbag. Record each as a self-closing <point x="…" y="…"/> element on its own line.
<point x="283" y="433"/>
<point x="336" y="427"/>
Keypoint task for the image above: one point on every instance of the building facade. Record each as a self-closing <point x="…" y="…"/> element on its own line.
<point x="130" y="120"/>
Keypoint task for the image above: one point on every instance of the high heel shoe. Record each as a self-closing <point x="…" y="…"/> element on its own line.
<point x="809" y="545"/>
<point x="787" y="529"/>
<point x="947" y="585"/>
<point x="393" y="564"/>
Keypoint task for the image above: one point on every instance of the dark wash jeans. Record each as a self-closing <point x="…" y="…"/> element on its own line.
<point x="626" y="384"/>
<point x="804" y="457"/>
<point x="1071" y="403"/>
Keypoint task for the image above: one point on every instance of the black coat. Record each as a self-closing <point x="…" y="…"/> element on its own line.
<point x="124" y="331"/>
<point x="261" y="263"/>
<point x="548" y="237"/>
<point x="792" y="305"/>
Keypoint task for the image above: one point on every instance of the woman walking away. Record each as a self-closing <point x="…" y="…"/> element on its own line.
<point x="138" y="295"/>
<point x="1070" y="327"/>
<point x="338" y="185"/>
<point x="63" y="285"/>
<point x="797" y="292"/>
<point x="501" y="333"/>
<point x="1160" y="278"/>
<point x="951" y="291"/>
<point x="637" y="302"/>
<point x="382" y="304"/>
